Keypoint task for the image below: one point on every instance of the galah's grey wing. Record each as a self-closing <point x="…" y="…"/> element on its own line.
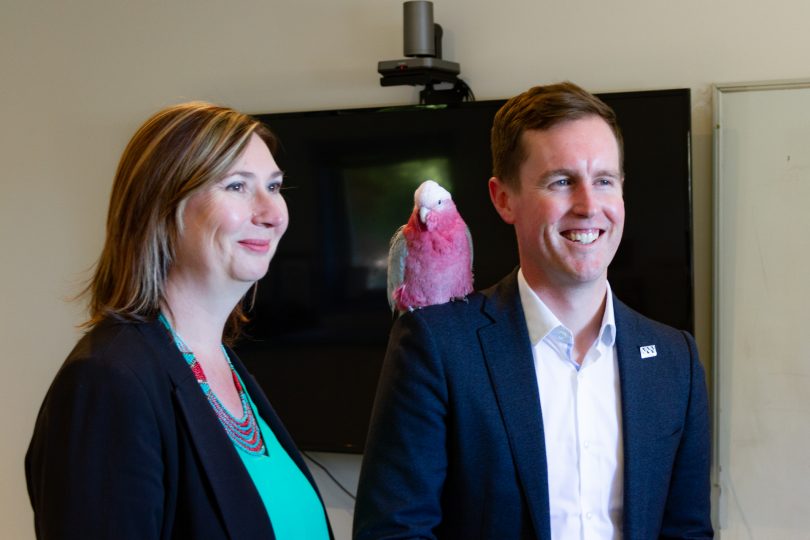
<point x="469" y="241"/>
<point x="396" y="264"/>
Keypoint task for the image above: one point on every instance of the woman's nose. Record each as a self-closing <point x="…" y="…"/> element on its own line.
<point x="270" y="210"/>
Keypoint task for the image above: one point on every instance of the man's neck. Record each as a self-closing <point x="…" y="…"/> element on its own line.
<point x="580" y="308"/>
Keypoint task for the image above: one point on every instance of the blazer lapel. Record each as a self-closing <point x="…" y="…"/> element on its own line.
<point x="269" y="415"/>
<point x="243" y="511"/>
<point x="643" y="393"/>
<point x="507" y="353"/>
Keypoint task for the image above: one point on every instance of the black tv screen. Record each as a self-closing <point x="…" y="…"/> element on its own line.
<point x="321" y="318"/>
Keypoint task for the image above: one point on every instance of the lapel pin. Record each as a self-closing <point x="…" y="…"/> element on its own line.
<point x="648" y="351"/>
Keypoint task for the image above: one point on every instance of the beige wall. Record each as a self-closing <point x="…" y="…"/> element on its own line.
<point x="76" y="81"/>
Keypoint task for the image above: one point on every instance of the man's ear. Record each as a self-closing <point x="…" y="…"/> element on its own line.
<point x="501" y="196"/>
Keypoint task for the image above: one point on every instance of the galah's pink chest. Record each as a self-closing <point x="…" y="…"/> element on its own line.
<point x="437" y="265"/>
<point x="439" y="251"/>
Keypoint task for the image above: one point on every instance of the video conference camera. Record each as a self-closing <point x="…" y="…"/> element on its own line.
<point x="424" y="65"/>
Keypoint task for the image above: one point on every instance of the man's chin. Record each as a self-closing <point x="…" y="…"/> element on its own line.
<point x="585" y="276"/>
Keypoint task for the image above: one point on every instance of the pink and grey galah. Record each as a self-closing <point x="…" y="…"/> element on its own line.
<point x="430" y="259"/>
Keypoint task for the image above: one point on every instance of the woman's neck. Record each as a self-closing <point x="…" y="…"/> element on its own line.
<point x="196" y="313"/>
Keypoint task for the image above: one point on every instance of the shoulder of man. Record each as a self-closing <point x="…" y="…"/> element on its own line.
<point x="628" y="319"/>
<point x="442" y="317"/>
<point x="477" y="309"/>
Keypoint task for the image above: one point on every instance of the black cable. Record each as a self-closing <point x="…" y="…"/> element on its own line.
<point x="464" y="89"/>
<point x="335" y="480"/>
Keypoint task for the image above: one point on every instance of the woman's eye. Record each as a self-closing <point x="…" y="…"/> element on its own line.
<point x="274" y="187"/>
<point x="236" y="186"/>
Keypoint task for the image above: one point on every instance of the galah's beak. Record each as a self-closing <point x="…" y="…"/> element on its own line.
<point x="423" y="212"/>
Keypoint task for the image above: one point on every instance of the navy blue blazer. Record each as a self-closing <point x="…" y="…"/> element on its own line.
<point x="127" y="446"/>
<point x="456" y="446"/>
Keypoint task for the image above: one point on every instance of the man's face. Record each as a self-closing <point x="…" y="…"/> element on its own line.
<point x="569" y="211"/>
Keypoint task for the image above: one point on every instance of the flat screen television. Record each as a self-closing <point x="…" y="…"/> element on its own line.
<point x="321" y="318"/>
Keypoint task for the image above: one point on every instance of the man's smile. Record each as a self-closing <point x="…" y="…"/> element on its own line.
<point x="582" y="236"/>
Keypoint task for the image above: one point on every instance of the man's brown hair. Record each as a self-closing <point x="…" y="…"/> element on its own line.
<point x="541" y="108"/>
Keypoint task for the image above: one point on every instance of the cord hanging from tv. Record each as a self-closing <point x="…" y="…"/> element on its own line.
<point x="424" y="65"/>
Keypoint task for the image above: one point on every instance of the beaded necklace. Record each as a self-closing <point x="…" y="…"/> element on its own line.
<point x="244" y="432"/>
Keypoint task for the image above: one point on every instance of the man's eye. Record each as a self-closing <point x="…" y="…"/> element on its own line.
<point x="562" y="182"/>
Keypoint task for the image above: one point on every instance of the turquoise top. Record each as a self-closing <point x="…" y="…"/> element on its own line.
<point x="294" y="508"/>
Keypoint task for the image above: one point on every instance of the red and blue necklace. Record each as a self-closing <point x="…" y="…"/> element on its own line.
<point x="244" y="432"/>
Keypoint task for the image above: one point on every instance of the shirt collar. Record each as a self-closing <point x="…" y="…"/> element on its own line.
<point x="541" y="321"/>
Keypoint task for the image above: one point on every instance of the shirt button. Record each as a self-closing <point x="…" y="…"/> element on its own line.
<point x="589" y="515"/>
<point x="587" y="445"/>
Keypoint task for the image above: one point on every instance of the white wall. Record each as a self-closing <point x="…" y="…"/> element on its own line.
<point x="77" y="78"/>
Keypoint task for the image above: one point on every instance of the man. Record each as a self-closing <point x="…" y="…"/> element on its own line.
<point x="543" y="407"/>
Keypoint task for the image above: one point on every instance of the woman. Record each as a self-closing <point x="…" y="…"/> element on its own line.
<point x="153" y="428"/>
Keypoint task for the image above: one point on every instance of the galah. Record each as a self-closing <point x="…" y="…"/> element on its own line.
<point x="430" y="259"/>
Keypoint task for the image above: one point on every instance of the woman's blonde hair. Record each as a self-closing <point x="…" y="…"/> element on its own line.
<point x="175" y="153"/>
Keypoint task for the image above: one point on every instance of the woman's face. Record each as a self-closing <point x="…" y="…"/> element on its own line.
<point x="231" y="228"/>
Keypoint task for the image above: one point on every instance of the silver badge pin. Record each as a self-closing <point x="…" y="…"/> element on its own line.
<point x="648" y="351"/>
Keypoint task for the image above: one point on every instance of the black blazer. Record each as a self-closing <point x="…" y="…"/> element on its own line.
<point x="127" y="446"/>
<point x="456" y="446"/>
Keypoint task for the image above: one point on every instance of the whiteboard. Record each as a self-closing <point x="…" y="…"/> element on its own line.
<point x="762" y="310"/>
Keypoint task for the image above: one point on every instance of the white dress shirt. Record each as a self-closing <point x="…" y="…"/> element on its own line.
<point x="581" y="407"/>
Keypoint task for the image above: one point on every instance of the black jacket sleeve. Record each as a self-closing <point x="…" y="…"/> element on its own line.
<point x="94" y="467"/>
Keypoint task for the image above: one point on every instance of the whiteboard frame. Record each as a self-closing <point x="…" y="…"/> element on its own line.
<point x="718" y="90"/>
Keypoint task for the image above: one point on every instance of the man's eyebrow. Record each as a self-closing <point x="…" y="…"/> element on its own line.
<point x="571" y="172"/>
<point x="559" y="172"/>
<point x="609" y="172"/>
